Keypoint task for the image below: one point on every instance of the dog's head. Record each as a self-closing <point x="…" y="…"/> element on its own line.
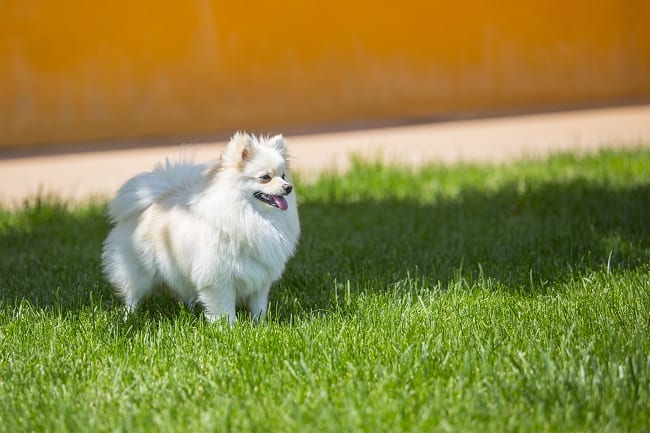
<point x="261" y="165"/>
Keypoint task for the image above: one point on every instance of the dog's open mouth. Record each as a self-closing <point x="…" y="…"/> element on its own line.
<point x="272" y="200"/>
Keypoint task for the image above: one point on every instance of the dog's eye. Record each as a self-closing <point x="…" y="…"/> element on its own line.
<point x="265" y="178"/>
<point x="283" y="176"/>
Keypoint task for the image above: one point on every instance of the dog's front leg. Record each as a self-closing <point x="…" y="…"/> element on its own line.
<point x="257" y="303"/>
<point x="219" y="302"/>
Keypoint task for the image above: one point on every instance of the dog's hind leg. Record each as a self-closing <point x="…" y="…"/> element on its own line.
<point x="137" y="288"/>
<point x="124" y="270"/>
<point x="131" y="281"/>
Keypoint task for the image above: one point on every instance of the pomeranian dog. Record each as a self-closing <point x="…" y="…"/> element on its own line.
<point x="219" y="234"/>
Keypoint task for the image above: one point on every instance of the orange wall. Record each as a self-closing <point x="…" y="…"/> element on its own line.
<point x="78" y="70"/>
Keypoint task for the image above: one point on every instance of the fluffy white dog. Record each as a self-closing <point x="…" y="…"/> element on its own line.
<point x="219" y="234"/>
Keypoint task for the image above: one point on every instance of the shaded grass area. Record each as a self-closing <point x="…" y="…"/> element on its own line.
<point x="509" y="298"/>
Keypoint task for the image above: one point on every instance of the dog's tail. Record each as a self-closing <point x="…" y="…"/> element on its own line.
<point x="141" y="191"/>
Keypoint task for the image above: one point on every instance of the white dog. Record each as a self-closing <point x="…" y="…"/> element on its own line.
<point x="219" y="234"/>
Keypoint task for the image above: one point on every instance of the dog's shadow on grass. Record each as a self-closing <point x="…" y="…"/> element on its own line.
<point x="50" y="253"/>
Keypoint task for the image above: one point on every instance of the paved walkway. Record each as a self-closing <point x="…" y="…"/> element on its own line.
<point x="80" y="175"/>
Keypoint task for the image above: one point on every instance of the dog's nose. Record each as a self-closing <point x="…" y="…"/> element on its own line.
<point x="287" y="188"/>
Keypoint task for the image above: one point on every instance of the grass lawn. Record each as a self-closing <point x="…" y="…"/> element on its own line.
<point x="464" y="299"/>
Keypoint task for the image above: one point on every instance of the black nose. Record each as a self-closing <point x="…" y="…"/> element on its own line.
<point x="287" y="188"/>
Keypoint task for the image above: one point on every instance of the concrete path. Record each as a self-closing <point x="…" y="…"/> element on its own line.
<point x="78" y="176"/>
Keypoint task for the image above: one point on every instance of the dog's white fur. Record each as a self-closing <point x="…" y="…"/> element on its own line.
<point x="199" y="231"/>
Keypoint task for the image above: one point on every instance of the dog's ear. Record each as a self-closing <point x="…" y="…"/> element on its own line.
<point x="277" y="142"/>
<point x="240" y="149"/>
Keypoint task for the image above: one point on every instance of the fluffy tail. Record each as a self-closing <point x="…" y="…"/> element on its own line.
<point x="141" y="191"/>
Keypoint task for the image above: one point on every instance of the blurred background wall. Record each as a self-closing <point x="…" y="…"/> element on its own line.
<point x="86" y="70"/>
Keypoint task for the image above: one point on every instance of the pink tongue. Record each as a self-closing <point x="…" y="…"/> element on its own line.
<point x="280" y="201"/>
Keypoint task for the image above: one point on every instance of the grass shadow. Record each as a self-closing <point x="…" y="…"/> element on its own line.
<point x="525" y="239"/>
<point x="50" y="254"/>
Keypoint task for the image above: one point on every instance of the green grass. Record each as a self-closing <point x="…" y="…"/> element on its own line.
<point x="465" y="298"/>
